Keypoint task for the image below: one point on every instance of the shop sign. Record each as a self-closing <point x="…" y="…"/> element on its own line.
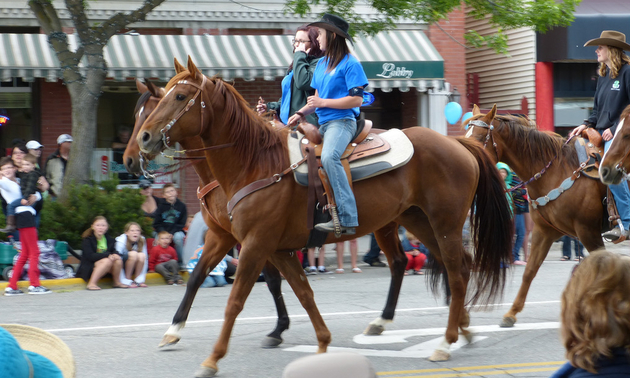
<point x="3" y="120"/>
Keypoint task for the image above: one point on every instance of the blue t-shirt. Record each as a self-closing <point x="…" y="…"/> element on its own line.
<point x="285" y="102"/>
<point x="335" y="84"/>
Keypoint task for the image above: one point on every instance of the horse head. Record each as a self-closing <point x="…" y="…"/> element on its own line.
<point x="480" y="127"/>
<point x="150" y="97"/>
<point x="615" y="164"/>
<point x="181" y="113"/>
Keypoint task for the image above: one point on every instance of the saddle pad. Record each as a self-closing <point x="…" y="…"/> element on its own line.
<point x="399" y="155"/>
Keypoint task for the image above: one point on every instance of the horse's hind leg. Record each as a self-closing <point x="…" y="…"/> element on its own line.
<point x="292" y="270"/>
<point x="217" y="244"/>
<point x="541" y="242"/>
<point x="274" y="281"/>
<point x="250" y="265"/>
<point x="387" y="239"/>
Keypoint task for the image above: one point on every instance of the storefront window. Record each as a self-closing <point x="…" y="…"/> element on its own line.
<point x="16" y="120"/>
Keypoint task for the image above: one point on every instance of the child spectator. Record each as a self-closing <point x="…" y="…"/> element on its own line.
<point x="28" y="187"/>
<point x="163" y="259"/>
<point x="171" y="215"/>
<point x="99" y="256"/>
<point x="25" y="222"/>
<point x="216" y="276"/>
<point x="132" y="247"/>
<point x="354" y="251"/>
<point x="416" y="253"/>
<point x="595" y="318"/>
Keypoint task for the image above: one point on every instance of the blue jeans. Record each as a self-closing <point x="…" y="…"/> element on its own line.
<point x="374" y="253"/>
<point x="337" y="135"/>
<point x="212" y="281"/>
<point x="519" y="225"/>
<point x="622" y="196"/>
<point x="566" y="247"/>
<point x="13" y="205"/>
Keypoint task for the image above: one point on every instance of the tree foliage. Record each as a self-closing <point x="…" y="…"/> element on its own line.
<point x="502" y="14"/>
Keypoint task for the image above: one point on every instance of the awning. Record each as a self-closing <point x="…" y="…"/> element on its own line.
<point x="395" y="59"/>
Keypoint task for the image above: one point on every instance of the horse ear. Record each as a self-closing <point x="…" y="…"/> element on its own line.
<point x="178" y="66"/>
<point x="141" y="87"/>
<point x="192" y="68"/>
<point x="476" y="110"/>
<point x="152" y="88"/>
<point x="488" y="118"/>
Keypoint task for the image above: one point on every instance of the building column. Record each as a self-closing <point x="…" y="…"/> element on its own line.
<point x="544" y="96"/>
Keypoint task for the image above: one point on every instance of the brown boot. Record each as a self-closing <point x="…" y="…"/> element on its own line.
<point x="10" y="227"/>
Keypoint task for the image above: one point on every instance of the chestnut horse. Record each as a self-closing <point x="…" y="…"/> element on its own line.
<point x="216" y="202"/>
<point x="430" y="196"/>
<point x="218" y="227"/>
<point x="615" y="164"/>
<point x="578" y="211"/>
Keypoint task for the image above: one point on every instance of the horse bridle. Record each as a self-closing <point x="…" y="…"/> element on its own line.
<point x="482" y="124"/>
<point x="166" y="139"/>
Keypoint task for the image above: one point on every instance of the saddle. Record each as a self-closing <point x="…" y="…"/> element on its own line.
<point x="368" y="155"/>
<point x="590" y="150"/>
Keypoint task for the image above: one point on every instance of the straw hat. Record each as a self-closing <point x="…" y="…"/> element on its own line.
<point x="334" y="24"/>
<point x="610" y="38"/>
<point x="33" y="344"/>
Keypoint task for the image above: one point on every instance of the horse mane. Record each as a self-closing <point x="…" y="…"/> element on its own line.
<point x="261" y="146"/>
<point x="625" y="113"/>
<point x="537" y="146"/>
<point x="141" y="101"/>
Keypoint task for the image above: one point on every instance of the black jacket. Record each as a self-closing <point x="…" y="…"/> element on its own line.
<point x="171" y="218"/>
<point x="611" y="97"/>
<point x="90" y="256"/>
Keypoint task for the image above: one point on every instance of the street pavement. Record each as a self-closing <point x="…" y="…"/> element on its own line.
<point x="115" y="332"/>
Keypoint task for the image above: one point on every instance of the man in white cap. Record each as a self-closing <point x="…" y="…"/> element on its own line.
<point x="56" y="164"/>
<point x="35" y="149"/>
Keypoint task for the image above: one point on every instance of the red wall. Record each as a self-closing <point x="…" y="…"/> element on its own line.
<point x="454" y="55"/>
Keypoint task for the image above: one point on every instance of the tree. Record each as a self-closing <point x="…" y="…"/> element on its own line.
<point x="84" y="88"/>
<point x="503" y="14"/>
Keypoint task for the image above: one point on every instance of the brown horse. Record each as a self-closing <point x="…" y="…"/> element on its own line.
<point x="430" y="196"/>
<point x="615" y="164"/>
<point x="578" y="211"/>
<point x="216" y="202"/>
<point x="217" y="224"/>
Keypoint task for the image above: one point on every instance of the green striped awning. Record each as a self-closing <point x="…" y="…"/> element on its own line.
<point x="395" y="59"/>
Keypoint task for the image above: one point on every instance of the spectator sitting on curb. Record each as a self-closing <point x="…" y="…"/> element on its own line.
<point x="163" y="259"/>
<point x="132" y="246"/>
<point x="171" y="215"/>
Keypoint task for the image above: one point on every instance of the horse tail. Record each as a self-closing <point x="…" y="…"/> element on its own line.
<point x="491" y="228"/>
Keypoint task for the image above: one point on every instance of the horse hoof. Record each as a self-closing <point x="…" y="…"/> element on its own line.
<point x="507" y="322"/>
<point x="169" y="340"/>
<point x="271" y="342"/>
<point x="440" y="355"/>
<point x="374" y="330"/>
<point x="468" y="335"/>
<point x="205" y="372"/>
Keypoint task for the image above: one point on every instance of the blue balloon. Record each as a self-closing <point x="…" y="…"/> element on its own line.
<point x="466" y="116"/>
<point x="453" y="112"/>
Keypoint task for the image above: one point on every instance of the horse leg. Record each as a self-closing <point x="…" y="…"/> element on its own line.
<point x="464" y="319"/>
<point x="249" y="268"/>
<point x="214" y="249"/>
<point x="387" y="239"/>
<point x="274" y="281"/>
<point x="292" y="270"/>
<point x="541" y="242"/>
<point x="452" y="250"/>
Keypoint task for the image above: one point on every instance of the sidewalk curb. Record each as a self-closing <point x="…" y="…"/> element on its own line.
<point x="153" y="279"/>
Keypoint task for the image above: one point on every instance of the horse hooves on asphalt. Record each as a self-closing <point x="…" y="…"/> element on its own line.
<point x="374" y="330"/>
<point x="271" y="342"/>
<point x="440" y="355"/>
<point x="507" y="322"/>
<point x="205" y="372"/>
<point x="169" y="340"/>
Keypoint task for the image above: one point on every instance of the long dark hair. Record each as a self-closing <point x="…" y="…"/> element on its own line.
<point x="316" y="51"/>
<point x="336" y="49"/>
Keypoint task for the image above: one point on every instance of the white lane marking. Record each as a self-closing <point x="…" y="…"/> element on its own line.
<point x="421" y="350"/>
<point x="400" y="336"/>
<point x="274" y="318"/>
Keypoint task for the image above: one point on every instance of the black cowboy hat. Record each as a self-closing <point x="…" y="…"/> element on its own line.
<point x="610" y="38"/>
<point x="334" y="24"/>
